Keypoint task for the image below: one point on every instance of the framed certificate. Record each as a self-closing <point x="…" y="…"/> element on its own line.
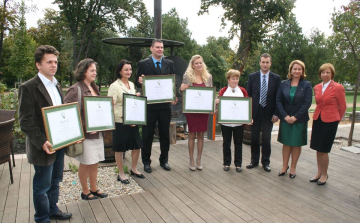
<point x="159" y="88"/>
<point x="199" y="100"/>
<point x="134" y="110"/>
<point x="63" y="125"/>
<point x="234" y="110"/>
<point x="99" y="113"/>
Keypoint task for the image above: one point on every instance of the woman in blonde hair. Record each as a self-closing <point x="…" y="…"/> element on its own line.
<point x="293" y="100"/>
<point x="196" y="75"/>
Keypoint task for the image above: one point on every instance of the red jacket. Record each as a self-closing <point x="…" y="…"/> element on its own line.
<point x="222" y="91"/>
<point x="331" y="104"/>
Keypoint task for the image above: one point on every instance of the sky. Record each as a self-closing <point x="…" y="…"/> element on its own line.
<point x="310" y="14"/>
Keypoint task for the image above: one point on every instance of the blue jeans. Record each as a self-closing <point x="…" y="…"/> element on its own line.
<point x="46" y="188"/>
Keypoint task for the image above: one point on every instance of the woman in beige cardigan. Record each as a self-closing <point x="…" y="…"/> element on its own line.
<point x="196" y="75"/>
<point x="125" y="137"/>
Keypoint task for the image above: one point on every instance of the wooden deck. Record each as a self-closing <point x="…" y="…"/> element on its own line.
<point x="211" y="195"/>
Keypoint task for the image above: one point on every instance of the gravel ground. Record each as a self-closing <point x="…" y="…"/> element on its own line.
<point x="70" y="188"/>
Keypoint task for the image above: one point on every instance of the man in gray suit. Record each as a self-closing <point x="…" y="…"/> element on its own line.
<point x="42" y="91"/>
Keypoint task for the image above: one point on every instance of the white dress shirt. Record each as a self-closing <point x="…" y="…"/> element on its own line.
<point x="51" y="89"/>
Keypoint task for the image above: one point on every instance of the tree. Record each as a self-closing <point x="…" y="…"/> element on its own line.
<point x="346" y="27"/>
<point x="251" y="21"/>
<point x="7" y="19"/>
<point x="216" y="54"/>
<point x="83" y="18"/>
<point x="22" y="52"/>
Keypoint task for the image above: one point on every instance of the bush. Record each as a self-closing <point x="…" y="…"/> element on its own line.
<point x="9" y="101"/>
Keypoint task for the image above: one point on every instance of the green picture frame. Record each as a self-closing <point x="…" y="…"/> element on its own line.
<point x="235" y="110"/>
<point x="159" y="88"/>
<point x="99" y="113"/>
<point x="63" y="126"/>
<point x="199" y="100"/>
<point x="134" y="110"/>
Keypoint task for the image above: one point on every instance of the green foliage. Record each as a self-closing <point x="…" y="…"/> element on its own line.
<point x="216" y="54"/>
<point x="2" y="88"/>
<point x="9" y="101"/>
<point x="73" y="168"/>
<point x="21" y="61"/>
<point x="251" y="22"/>
<point x="125" y="168"/>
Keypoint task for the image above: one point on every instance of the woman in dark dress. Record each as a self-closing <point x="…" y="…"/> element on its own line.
<point x="293" y="101"/>
<point x="330" y="108"/>
<point x="125" y="137"/>
<point x="196" y="75"/>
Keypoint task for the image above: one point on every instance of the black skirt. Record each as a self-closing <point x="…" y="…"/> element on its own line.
<point x="126" y="138"/>
<point x="323" y="135"/>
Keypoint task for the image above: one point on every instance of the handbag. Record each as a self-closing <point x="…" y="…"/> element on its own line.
<point x="77" y="148"/>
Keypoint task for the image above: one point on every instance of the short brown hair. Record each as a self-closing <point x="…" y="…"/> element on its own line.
<point x="299" y="62"/>
<point x="156" y="41"/>
<point x="82" y="67"/>
<point x="42" y="50"/>
<point x="326" y="66"/>
<point x="232" y="73"/>
<point x="265" y="55"/>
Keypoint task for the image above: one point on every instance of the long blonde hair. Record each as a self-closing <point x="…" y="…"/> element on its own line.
<point x="191" y="73"/>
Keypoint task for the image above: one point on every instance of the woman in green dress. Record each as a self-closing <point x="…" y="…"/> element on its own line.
<point x="293" y="100"/>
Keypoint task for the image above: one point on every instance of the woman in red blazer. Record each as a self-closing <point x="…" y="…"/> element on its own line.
<point x="330" y="108"/>
<point x="230" y="130"/>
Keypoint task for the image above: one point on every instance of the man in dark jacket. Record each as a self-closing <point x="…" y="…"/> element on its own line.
<point x="262" y="87"/>
<point x="42" y="91"/>
<point x="160" y="112"/>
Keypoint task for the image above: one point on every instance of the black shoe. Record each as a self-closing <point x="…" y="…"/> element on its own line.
<point x="147" y="168"/>
<point x="238" y="169"/>
<point x="102" y="195"/>
<point x="313" y="180"/>
<point x="267" y="168"/>
<point x="123" y="181"/>
<point x="61" y="216"/>
<point x="322" y="183"/>
<point x="292" y="176"/>
<point x="251" y="165"/>
<point x="137" y="175"/>
<point x="226" y="168"/>
<point x="283" y="173"/>
<point x="87" y="197"/>
<point x="166" y="166"/>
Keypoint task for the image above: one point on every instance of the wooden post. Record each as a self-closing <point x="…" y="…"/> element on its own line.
<point x="172" y="132"/>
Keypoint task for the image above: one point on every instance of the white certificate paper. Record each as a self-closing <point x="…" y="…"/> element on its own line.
<point x="159" y="89"/>
<point x="199" y="100"/>
<point x="98" y="114"/>
<point x="135" y="110"/>
<point x="64" y="125"/>
<point x="234" y="110"/>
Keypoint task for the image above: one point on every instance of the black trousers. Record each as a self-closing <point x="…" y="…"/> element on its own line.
<point x="228" y="133"/>
<point x="163" y="117"/>
<point x="261" y="122"/>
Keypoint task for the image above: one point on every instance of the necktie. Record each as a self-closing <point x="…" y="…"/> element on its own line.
<point x="263" y="92"/>
<point x="158" y="69"/>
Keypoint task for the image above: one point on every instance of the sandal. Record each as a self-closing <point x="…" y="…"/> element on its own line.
<point x="97" y="194"/>
<point x="87" y="196"/>
<point x="226" y="168"/>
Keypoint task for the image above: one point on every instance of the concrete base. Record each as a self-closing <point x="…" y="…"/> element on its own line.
<point x="352" y="149"/>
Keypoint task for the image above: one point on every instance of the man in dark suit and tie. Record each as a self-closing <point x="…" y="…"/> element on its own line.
<point x="42" y="91"/>
<point x="262" y="87"/>
<point x="161" y="112"/>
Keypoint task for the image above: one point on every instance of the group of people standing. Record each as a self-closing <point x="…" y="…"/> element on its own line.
<point x="272" y="100"/>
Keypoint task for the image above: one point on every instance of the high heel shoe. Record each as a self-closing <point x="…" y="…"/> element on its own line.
<point x="123" y="181"/>
<point x="192" y="168"/>
<point x="87" y="197"/>
<point x="138" y="175"/>
<point x="283" y="173"/>
<point x="199" y="167"/>
<point x="322" y="183"/>
<point x="292" y="176"/>
<point x="313" y="180"/>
